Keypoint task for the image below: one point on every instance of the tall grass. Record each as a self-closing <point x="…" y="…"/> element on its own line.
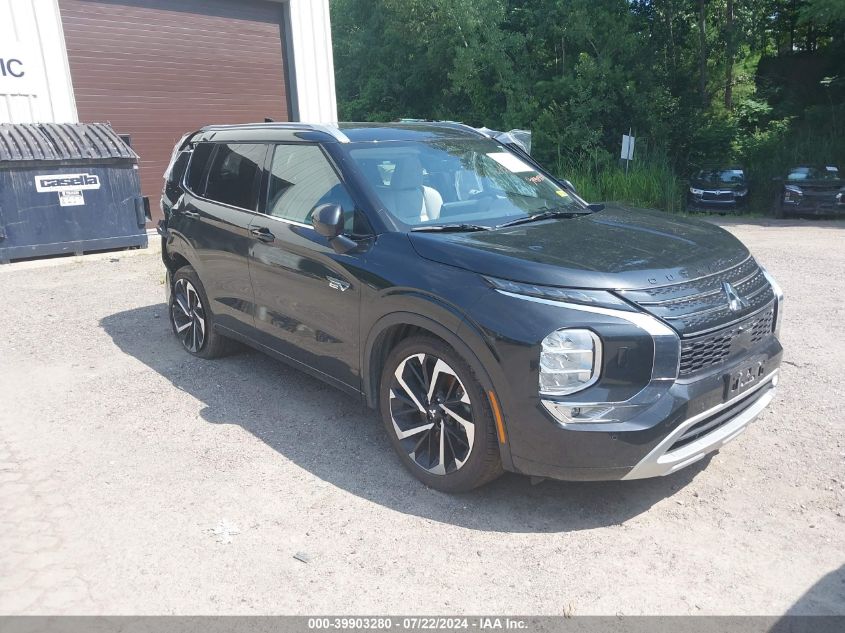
<point x="649" y="182"/>
<point x="766" y="155"/>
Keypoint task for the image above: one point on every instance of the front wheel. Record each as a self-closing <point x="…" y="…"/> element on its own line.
<point x="438" y="417"/>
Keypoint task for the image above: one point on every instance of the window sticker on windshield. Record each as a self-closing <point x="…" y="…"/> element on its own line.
<point x="510" y="162"/>
<point x="562" y="193"/>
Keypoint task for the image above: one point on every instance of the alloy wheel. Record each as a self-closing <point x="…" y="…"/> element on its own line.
<point x="431" y="414"/>
<point x="188" y="315"/>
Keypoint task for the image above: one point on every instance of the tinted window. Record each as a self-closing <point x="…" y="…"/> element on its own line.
<point x="199" y="161"/>
<point x="300" y="179"/>
<point x="234" y="174"/>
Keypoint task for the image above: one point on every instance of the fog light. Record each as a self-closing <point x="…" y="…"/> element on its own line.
<point x="570" y="361"/>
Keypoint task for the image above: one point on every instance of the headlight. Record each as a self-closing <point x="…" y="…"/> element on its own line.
<point x="794" y="189"/>
<point x="740" y="193"/>
<point x="570" y="361"/>
<point x="696" y="192"/>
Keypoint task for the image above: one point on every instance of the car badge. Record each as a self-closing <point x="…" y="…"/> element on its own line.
<point x="735" y="302"/>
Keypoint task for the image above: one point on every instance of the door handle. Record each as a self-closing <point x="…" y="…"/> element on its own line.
<point x="190" y="214"/>
<point x="263" y="234"/>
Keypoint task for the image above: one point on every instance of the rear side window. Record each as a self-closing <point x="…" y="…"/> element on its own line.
<point x="300" y="179"/>
<point x="197" y="169"/>
<point x="234" y="174"/>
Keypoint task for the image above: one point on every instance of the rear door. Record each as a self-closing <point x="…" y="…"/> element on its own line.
<point x="222" y="185"/>
<point x="307" y="297"/>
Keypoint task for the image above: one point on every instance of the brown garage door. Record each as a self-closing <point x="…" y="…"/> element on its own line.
<point x="156" y="69"/>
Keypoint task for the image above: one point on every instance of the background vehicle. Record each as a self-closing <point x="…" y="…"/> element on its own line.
<point x="495" y="319"/>
<point x="718" y="189"/>
<point x="812" y="190"/>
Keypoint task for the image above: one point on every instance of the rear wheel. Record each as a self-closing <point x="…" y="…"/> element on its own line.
<point x="192" y="320"/>
<point x="438" y="417"/>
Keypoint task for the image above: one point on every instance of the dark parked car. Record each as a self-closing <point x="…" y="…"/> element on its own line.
<point x="494" y="319"/>
<point x="718" y="189"/>
<point x="809" y="190"/>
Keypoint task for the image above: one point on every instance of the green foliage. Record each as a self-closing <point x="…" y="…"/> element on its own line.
<point x="761" y="88"/>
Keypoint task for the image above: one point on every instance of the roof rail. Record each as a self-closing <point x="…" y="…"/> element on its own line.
<point x="329" y="129"/>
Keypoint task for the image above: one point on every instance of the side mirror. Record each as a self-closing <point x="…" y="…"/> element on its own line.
<point x="568" y="184"/>
<point x="328" y="221"/>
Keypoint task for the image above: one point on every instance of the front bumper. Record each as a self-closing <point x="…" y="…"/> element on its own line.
<point x="610" y="431"/>
<point x="692" y="419"/>
<point x="716" y="204"/>
<point x="814" y="206"/>
<point x="705" y="432"/>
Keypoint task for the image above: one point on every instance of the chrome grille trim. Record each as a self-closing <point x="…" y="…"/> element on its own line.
<point x="700" y="306"/>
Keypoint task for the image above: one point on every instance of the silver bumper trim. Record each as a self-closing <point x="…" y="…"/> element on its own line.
<point x="661" y="461"/>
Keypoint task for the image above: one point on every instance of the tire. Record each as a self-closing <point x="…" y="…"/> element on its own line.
<point x="192" y="320"/>
<point x="457" y="459"/>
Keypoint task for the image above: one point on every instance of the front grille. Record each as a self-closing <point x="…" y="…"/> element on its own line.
<point x="708" y="350"/>
<point x="717" y="420"/>
<point x="723" y="196"/>
<point x="701" y="305"/>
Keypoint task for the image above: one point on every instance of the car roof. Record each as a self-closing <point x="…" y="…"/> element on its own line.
<point x="338" y="132"/>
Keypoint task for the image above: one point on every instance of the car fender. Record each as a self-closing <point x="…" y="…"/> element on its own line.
<point x="461" y="334"/>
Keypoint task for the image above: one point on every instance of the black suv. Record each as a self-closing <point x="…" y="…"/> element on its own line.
<point x="718" y="189"/>
<point x="495" y="319"/>
<point x="812" y="190"/>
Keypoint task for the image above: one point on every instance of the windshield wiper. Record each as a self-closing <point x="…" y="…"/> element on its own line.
<point x="545" y="215"/>
<point x="452" y="227"/>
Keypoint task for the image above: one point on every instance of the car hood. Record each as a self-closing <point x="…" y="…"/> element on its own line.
<point x="616" y="248"/>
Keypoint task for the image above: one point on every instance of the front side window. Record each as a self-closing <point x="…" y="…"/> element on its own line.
<point x="234" y="175"/>
<point x="301" y="178"/>
<point x="457" y="181"/>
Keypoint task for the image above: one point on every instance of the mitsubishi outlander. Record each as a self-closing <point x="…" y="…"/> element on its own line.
<point x="494" y="319"/>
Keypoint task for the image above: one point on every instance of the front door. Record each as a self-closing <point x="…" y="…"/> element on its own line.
<point x="306" y="295"/>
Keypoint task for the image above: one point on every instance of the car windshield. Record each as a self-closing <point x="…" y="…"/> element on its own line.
<point x="721" y="176"/>
<point x="828" y="172"/>
<point x="456" y="181"/>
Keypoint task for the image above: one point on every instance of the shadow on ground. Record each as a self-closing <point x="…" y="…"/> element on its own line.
<point x="826" y="597"/>
<point x="332" y="435"/>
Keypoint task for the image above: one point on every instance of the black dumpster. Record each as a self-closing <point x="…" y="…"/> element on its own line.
<point x="67" y="188"/>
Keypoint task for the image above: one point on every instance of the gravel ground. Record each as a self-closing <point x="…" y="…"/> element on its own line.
<point x="136" y="479"/>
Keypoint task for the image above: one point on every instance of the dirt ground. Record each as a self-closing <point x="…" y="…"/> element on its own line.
<point x="135" y="479"/>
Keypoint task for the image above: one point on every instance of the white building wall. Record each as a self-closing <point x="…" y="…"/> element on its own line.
<point x="36" y="86"/>
<point x="312" y="65"/>
<point x="35" y="83"/>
